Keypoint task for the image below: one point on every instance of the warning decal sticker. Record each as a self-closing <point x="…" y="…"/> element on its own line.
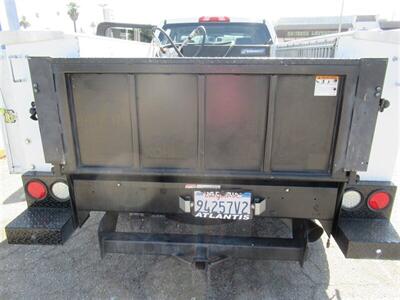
<point x="326" y="85"/>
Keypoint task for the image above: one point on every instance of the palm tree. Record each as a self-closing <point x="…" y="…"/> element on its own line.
<point x="24" y="22"/>
<point x="73" y="12"/>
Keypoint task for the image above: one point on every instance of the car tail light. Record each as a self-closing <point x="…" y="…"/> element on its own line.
<point x="36" y="189"/>
<point x="214" y="19"/>
<point x="378" y="200"/>
<point x="60" y="191"/>
<point x="351" y="199"/>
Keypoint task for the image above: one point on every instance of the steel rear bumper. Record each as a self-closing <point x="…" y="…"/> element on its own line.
<point x="356" y="237"/>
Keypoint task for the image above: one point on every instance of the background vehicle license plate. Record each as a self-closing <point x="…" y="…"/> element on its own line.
<point x="222" y="205"/>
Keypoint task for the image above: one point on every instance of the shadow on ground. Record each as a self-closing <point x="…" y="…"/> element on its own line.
<point x="75" y="270"/>
<point x="17" y="196"/>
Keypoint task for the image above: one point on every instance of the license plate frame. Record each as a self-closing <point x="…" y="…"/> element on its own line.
<point x="224" y="205"/>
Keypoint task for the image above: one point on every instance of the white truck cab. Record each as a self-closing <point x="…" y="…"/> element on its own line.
<point x="216" y="37"/>
<point x="222" y="29"/>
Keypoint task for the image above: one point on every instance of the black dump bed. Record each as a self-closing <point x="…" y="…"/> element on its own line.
<point x="235" y="118"/>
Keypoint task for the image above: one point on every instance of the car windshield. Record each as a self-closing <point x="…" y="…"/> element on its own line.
<point x="220" y="33"/>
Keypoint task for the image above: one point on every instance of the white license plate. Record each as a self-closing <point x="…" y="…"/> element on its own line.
<point x="222" y="205"/>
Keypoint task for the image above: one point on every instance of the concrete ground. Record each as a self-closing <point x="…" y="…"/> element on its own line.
<point x="75" y="271"/>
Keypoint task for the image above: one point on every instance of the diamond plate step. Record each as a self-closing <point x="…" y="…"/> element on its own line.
<point x="44" y="226"/>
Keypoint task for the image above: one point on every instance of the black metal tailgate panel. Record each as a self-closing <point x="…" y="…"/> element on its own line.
<point x="206" y="116"/>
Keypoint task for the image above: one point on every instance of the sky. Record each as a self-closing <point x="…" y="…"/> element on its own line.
<point x="52" y="14"/>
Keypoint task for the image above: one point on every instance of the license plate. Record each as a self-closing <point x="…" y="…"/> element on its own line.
<point x="222" y="205"/>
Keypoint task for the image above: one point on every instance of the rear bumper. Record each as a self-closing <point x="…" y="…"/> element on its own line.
<point x="367" y="238"/>
<point x="360" y="232"/>
<point x="123" y="195"/>
<point x="357" y="238"/>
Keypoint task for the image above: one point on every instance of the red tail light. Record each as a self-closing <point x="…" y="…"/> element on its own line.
<point x="204" y="19"/>
<point x="378" y="200"/>
<point x="36" y="189"/>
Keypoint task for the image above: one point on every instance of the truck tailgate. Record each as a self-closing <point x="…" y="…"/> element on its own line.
<point x="200" y="117"/>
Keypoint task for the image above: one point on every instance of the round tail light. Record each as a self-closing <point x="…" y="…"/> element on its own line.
<point x="351" y="199"/>
<point x="36" y="189"/>
<point x="60" y="191"/>
<point x="378" y="200"/>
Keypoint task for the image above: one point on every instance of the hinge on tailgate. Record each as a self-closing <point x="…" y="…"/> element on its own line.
<point x="9" y="115"/>
<point x="32" y="111"/>
<point x="353" y="177"/>
<point x="383" y="104"/>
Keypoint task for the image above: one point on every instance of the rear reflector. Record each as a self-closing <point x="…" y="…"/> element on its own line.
<point x="378" y="200"/>
<point x="351" y="199"/>
<point x="213" y="19"/>
<point x="60" y="191"/>
<point x="36" y="189"/>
